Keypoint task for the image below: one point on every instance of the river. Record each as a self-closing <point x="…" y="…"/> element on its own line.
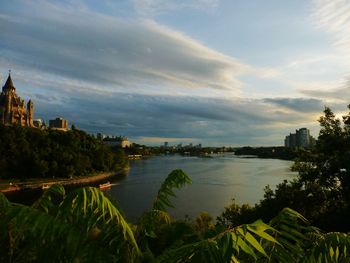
<point x="216" y="181"/>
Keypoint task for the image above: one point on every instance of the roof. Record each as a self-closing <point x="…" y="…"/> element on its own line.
<point x="8" y="84"/>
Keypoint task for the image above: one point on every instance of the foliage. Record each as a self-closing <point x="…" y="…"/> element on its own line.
<point x="289" y="237"/>
<point x="328" y="164"/>
<point x="90" y="227"/>
<point x="28" y="152"/>
<point x="85" y="226"/>
<point x="204" y="223"/>
<point x="82" y="226"/>
<point x="330" y="247"/>
<point x="148" y="228"/>
<point x="321" y="192"/>
<point x="176" y="179"/>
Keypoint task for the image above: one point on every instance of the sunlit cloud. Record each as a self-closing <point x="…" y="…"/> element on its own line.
<point x="150" y="81"/>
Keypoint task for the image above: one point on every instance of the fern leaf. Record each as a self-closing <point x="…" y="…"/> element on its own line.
<point x="90" y="202"/>
<point x="46" y="201"/>
<point x="176" y="179"/>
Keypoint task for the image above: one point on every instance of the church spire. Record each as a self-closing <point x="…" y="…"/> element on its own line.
<point x="9" y="84"/>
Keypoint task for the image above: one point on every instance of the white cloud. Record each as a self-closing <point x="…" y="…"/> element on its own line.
<point x="137" y="78"/>
<point x="83" y="45"/>
<point x="334" y="17"/>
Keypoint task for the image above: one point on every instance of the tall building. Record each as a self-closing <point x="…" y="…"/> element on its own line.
<point x="59" y="124"/>
<point x="13" y="109"/>
<point x="301" y="138"/>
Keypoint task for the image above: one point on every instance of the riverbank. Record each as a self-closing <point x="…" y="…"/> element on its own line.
<point x="31" y="184"/>
<point x="272" y="152"/>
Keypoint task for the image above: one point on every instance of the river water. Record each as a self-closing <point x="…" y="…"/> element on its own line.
<point x="216" y="181"/>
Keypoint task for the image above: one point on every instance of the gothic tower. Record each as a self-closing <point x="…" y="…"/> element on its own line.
<point x="12" y="107"/>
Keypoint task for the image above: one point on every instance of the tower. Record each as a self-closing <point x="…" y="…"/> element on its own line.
<point x="30" y="113"/>
<point x="12" y="108"/>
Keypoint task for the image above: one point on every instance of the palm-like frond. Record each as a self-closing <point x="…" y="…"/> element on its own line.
<point x="291" y="233"/>
<point x="50" y="199"/>
<point x="176" y="179"/>
<point x="82" y="226"/>
<point x="89" y="208"/>
<point x="35" y="236"/>
<point x="331" y="247"/>
<point x="240" y="243"/>
<point x="158" y="215"/>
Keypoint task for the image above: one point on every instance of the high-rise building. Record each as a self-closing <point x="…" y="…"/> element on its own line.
<point x="301" y="138"/>
<point x="13" y="109"/>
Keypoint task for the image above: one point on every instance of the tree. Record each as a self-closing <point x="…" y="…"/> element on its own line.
<point x="86" y="226"/>
<point x="328" y="163"/>
<point x="321" y="192"/>
<point x="29" y="152"/>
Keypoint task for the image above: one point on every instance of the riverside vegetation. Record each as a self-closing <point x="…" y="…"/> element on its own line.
<point x="29" y="152"/>
<point x="87" y="226"/>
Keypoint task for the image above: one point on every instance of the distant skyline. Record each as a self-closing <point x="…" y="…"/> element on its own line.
<point x="216" y="72"/>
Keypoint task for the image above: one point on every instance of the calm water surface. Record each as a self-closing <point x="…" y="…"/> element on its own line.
<point x="216" y="181"/>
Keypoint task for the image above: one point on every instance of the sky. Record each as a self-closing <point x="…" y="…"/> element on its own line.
<point x="215" y="72"/>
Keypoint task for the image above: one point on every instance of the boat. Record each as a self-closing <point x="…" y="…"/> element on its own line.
<point x="105" y="185"/>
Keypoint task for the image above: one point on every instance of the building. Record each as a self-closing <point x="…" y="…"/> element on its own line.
<point x="13" y="109"/>
<point x="120" y="141"/>
<point x="301" y="138"/>
<point x="59" y="124"/>
<point x="125" y="142"/>
<point x="39" y="123"/>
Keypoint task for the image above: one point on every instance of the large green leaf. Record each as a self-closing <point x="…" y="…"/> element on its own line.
<point x="88" y="207"/>
<point x="235" y="245"/>
<point x="50" y="199"/>
<point x="176" y="179"/>
<point x="332" y="247"/>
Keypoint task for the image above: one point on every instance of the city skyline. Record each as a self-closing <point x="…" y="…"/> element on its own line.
<point x="206" y="71"/>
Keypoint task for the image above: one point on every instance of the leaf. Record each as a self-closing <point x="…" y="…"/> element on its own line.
<point x="45" y="202"/>
<point x="255" y="243"/>
<point x="176" y="179"/>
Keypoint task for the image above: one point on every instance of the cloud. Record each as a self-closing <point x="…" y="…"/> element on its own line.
<point x="338" y="96"/>
<point x="334" y="17"/>
<point x="155" y="7"/>
<point x="298" y="104"/>
<point x="138" y="78"/>
<point x="111" y="52"/>
<point x="154" y="118"/>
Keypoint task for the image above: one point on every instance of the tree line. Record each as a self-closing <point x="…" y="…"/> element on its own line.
<point x="273" y="152"/>
<point x="34" y="153"/>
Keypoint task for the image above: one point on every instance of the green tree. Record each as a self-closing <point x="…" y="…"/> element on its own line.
<point x="321" y="192"/>
<point x="86" y="226"/>
<point x="28" y="152"/>
<point x="328" y="163"/>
